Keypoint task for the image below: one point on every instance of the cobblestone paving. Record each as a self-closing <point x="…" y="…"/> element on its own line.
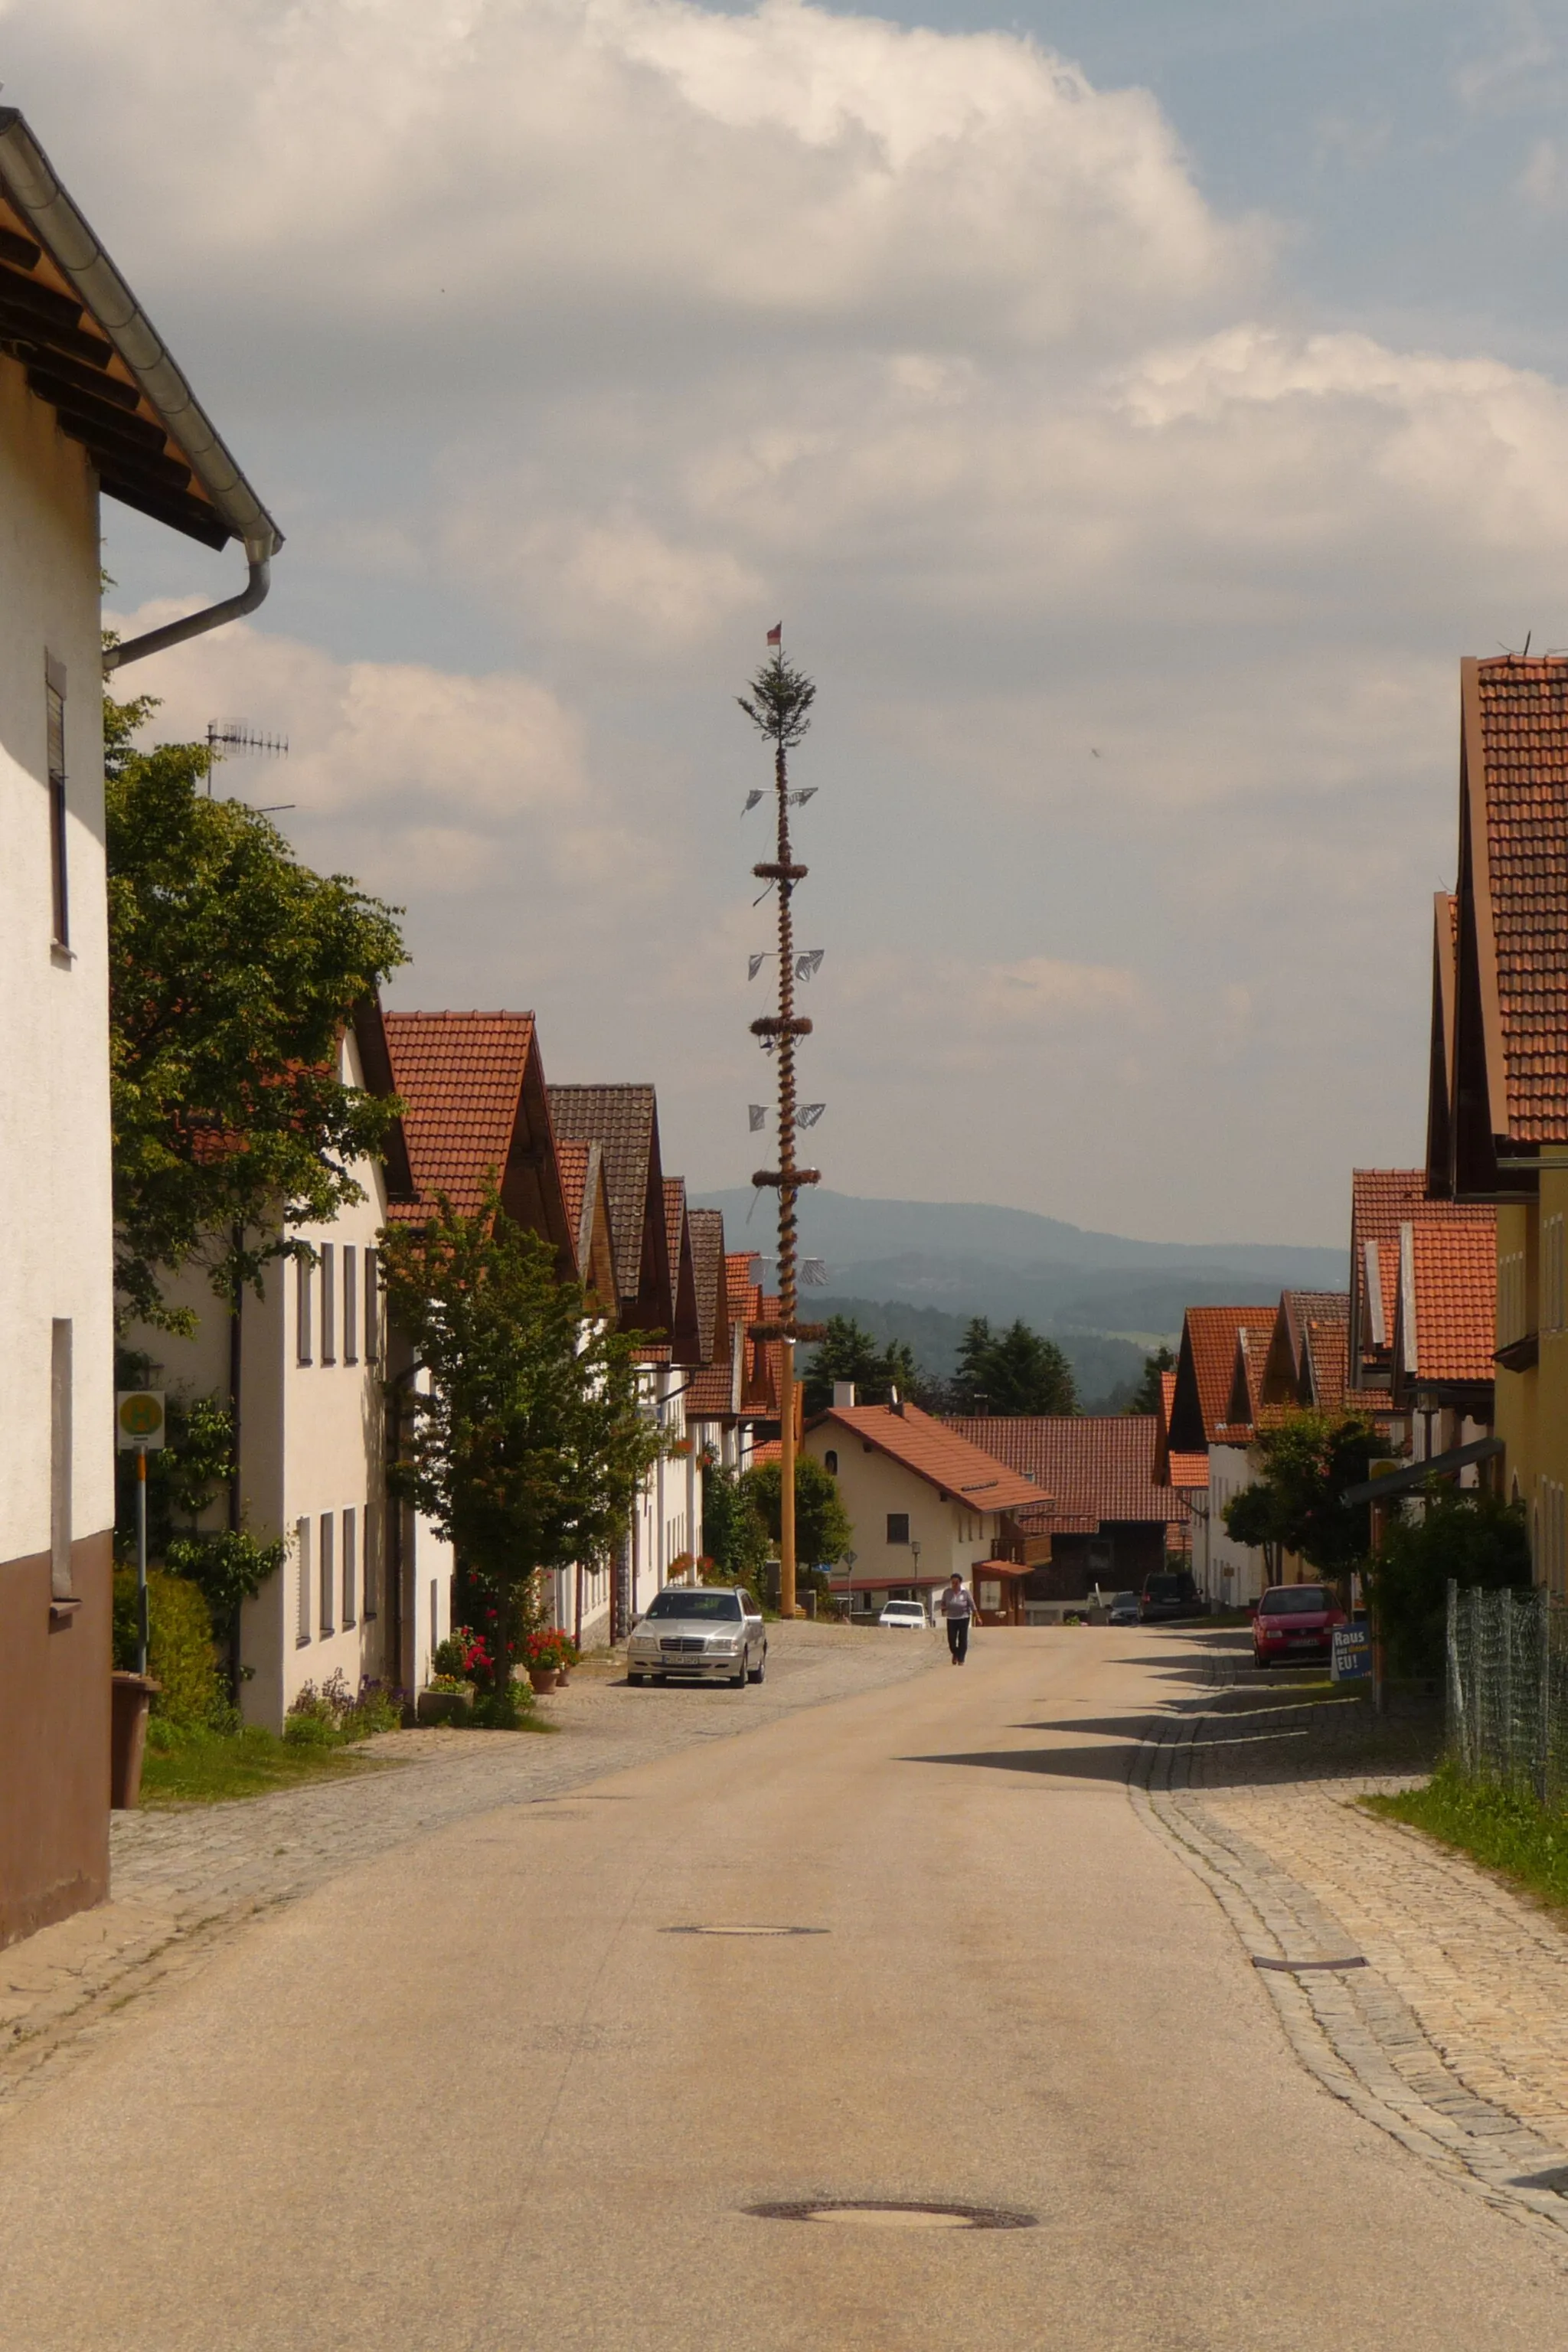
<point x="1454" y="2034"/>
<point x="186" y="1876"/>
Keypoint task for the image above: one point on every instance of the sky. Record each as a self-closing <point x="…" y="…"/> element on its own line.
<point x="1132" y="409"/>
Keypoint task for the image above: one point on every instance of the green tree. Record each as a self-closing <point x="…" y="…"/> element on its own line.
<point x="1308" y="1460"/>
<point x="1012" y="1373"/>
<point x="733" y="1538"/>
<point x="850" y="1353"/>
<point x="185" y="1478"/>
<point x="1474" y="1538"/>
<point x="1147" y="1396"/>
<point x="233" y="970"/>
<point x="822" y="1529"/>
<point x="528" y="1450"/>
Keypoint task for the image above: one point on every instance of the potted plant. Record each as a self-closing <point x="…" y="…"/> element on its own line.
<point x="457" y="1664"/>
<point x="548" y="1654"/>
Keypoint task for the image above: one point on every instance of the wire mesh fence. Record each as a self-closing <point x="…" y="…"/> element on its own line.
<point x="1508" y="1689"/>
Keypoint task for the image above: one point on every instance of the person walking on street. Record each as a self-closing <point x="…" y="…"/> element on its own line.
<point x="957" y="1605"/>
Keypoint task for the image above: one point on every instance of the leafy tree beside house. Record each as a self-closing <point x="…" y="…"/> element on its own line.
<point x="232" y="971"/>
<point x="1012" y="1373"/>
<point x="822" y="1529"/>
<point x="1297" y="1504"/>
<point x="733" y="1537"/>
<point x="528" y="1451"/>
<point x="1465" y="1535"/>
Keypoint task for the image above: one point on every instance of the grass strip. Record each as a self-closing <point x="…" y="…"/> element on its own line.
<point x="1513" y="1835"/>
<point x="211" y="1767"/>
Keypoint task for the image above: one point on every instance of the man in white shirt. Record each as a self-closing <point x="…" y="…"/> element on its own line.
<point x="957" y="1605"/>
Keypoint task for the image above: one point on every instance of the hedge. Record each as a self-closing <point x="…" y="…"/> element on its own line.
<point x="180" y="1657"/>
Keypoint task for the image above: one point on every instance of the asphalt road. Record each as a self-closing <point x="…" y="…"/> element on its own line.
<point x="476" y="2094"/>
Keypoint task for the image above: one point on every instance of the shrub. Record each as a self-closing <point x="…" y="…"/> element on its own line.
<point x="328" y="1716"/>
<point x="180" y="1655"/>
<point x="463" y="1657"/>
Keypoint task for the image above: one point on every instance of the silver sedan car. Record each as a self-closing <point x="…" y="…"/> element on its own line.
<point x="700" y="1633"/>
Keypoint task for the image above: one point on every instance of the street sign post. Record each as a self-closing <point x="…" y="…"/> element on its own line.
<point x="140" y="1423"/>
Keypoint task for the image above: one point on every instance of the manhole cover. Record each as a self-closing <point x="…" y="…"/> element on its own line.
<point x="893" y="2213"/>
<point x="744" y="1931"/>
<point x="1304" y="1968"/>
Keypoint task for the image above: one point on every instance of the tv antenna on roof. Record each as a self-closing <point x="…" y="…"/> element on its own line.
<point x="236" y="738"/>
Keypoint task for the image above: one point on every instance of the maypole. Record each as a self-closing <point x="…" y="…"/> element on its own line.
<point x="778" y="706"/>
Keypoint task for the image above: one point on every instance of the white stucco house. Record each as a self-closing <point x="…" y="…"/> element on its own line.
<point x="91" y="404"/>
<point x="364" y="1591"/>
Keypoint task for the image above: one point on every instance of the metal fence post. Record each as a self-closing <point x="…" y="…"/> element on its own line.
<point x="1458" y="1726"/>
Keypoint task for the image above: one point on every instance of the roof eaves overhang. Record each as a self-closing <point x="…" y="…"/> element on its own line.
<point x="29" y="182"/>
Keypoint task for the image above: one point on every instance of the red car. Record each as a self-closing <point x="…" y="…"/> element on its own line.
<point x="1295" y="1622"/>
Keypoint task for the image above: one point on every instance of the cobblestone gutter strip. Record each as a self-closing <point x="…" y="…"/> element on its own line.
<point x="1350" y="2028"/>
<point x="185" y="1879"/>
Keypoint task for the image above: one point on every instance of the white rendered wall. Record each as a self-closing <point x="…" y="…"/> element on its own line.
<point x="54" y="1096"/>
<point x="1236" y="1572"/>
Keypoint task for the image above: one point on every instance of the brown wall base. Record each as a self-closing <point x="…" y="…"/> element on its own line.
<point x="54" y="1740"/>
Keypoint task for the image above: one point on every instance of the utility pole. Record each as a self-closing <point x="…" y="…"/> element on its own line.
<point x="780" y="699"/>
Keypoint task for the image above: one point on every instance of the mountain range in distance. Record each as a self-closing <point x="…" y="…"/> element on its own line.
<point x="928" y="1266"/>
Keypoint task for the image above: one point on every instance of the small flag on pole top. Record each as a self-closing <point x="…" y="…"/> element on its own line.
<point x="759" y="1116"/>
<point x="754" y="965"/>
<point x="776" y="635"/>
<point x="751" y="800"/>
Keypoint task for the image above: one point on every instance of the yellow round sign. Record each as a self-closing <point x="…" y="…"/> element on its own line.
<point x="141" y="1414"/>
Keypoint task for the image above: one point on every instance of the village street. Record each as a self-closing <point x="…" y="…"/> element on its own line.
<point x="478" y="2089"/>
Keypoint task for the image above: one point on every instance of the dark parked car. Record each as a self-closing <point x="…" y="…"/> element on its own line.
<point x="1295" y="1624"/>
<point x="1170" y="1592"/>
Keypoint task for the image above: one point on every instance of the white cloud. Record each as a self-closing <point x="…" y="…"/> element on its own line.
<point x="608" y="330"/>
<point x="396" y="161"/>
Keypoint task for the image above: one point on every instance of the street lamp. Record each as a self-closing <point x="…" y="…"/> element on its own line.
<point x="915" y="1555"/>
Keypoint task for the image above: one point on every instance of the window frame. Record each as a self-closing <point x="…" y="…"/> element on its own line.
<point x="350" y="1567"/>
<point x="58" y="810"/>
<point x="351" y="1303"/>
<point x="898" y="1519"/>
<point x="304" y="1310"/>
<point x="303" y="1617"/>
<point x="329" y="1303"/>
<point x="326" y="1572"/>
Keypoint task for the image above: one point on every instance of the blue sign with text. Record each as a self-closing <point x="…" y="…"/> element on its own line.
<point x="1352" y="1653"/>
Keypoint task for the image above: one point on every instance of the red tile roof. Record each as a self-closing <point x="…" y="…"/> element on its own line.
<point x="1524" y="743"/>
<point x="1328" y="1360"/>
<point x="1096" y="1466"/>
<point x="1380" y="1198"/>
<point x="711" y="1393"/>
<point x="460" y="1076"/>
<point x="1207" y="1368"/>
<point x="1454" y="1264"/>
<point x="938" y="1452"/>
<point x="624" y="1121"/>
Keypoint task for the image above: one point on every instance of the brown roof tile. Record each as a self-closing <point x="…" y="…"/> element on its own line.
<point x="940" y="1454"/>
<point x="1451" y="1321"/>
<point x="1205" y="1371"/>
<point x="1096" y="1466"/>
<point x="475" y="1108"/>
<point x="1524" y="740"/>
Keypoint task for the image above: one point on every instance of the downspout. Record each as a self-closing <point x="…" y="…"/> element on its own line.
<point x="195" y="624"/>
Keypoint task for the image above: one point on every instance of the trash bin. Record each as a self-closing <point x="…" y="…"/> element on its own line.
<point x="132" y="1695"/>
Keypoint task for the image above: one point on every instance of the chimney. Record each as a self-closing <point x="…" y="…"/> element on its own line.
<point x="844" y="1394"/>
<point x="896" y="1401"/>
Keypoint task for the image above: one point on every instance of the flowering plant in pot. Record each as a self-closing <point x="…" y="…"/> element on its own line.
<point x="548" y="1653"/>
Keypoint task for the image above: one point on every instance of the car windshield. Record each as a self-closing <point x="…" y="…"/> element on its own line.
<point x="671" y="1603"/>
<point x="1163" y="1588"/>
<point x="1294" y="1600"/>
